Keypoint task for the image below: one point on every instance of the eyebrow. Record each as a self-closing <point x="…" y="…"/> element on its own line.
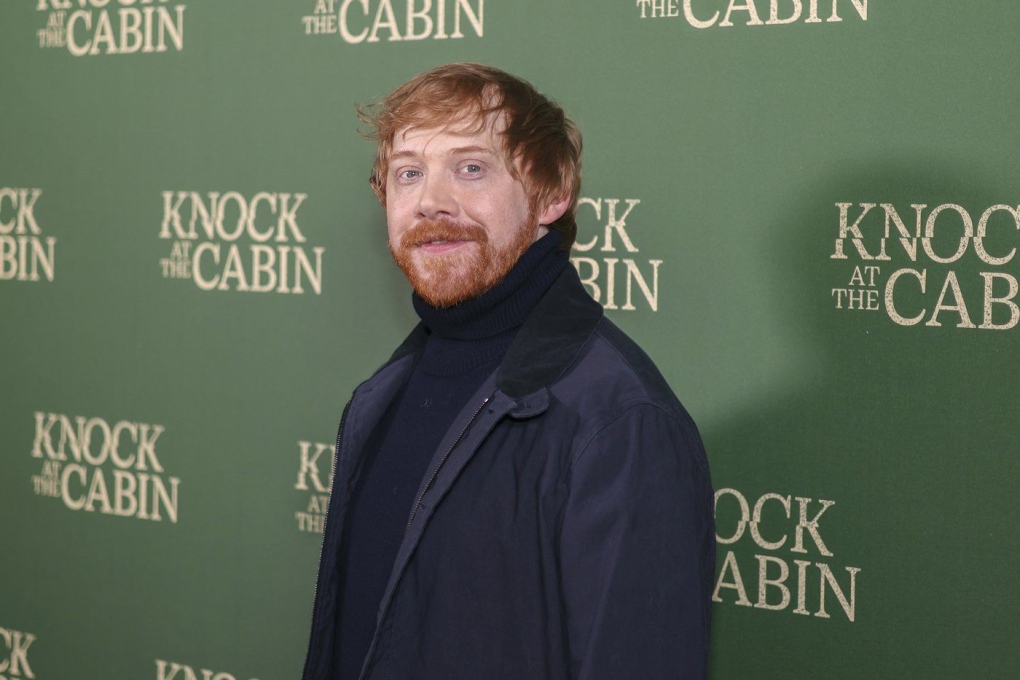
<point x="456" y="151"/>
<point x="470" y="149"/>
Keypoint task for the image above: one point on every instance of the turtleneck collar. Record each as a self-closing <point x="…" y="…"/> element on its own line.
<point x="476" y="334"/>
<point x="506" y="305"/>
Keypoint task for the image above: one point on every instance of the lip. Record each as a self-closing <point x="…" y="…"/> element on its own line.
<point x="439" y="247"/>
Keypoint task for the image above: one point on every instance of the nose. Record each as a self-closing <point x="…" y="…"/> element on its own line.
<point x="437" y="199"/>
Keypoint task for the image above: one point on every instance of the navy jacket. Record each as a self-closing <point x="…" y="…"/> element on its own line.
<point x="564" y="528"/>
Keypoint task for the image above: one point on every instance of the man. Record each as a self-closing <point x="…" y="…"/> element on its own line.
<point x="517" y="493"/>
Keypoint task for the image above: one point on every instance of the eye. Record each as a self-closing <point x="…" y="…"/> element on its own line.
<point x="471" y="169"/>
<point x="408" y="174"/>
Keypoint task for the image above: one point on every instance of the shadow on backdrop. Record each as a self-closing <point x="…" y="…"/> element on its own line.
<point x="909" y="430"/>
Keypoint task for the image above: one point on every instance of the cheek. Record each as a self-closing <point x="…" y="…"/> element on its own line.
<point x="503" y="207"/>
<point x="396" y="222"/>
<point x="395" y="202"/>
<point x="393" y="234"/>
<point x="516" y="204"/>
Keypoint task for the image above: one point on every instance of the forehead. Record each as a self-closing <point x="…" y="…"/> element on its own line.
<point x="446" y="139"/>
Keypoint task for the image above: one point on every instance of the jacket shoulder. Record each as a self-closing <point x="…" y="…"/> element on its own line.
<point x="614" y="358"/>
<point x="611" y="375"/>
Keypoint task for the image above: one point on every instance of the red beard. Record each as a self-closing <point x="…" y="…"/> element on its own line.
<point x="447" y="279"/>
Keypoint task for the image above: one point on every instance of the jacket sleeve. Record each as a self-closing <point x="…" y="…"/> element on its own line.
<point x="637" y="550"/>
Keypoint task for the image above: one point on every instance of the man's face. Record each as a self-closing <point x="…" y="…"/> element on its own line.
<point x="457" y="219"/>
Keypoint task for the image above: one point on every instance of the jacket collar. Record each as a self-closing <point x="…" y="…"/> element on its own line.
<point x="547" y="343"/>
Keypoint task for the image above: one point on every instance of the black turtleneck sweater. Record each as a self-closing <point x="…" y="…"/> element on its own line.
<point x="465" y="345"/>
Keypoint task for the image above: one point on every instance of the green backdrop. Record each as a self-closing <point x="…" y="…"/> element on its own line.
<point x="806" y="211"/>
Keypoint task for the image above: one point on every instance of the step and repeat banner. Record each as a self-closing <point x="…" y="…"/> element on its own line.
<point x="806" y="211"/>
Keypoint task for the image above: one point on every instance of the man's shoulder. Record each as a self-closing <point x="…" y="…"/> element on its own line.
<point x="613" y="372"/>
<point x="615" y="395"/>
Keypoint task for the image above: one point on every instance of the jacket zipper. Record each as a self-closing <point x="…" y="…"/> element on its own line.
<point x="435" y="473"/>
<point x="322" y="544"/>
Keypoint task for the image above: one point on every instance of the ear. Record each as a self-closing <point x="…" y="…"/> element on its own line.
<point x="554" y="211"/>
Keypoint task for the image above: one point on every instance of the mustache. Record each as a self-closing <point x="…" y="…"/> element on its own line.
<point x="442" y="230"/>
